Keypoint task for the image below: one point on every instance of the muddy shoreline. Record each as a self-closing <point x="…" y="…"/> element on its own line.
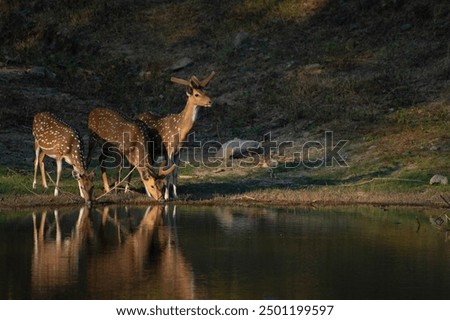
<point x="305" y="199"/>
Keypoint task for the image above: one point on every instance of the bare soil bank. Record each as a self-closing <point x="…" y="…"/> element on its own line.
<point x="278" y="198"/>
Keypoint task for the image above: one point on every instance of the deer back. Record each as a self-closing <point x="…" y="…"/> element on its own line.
<point x="127" y="135"/>
<point x="59" y="140"/>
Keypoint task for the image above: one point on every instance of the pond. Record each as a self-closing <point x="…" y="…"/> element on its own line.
<point x="187" y="252"/>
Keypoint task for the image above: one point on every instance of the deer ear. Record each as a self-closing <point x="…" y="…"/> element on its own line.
<point x="194" y="83"/>
<point x="76" y="175"/>
<point x="189" y="91"/>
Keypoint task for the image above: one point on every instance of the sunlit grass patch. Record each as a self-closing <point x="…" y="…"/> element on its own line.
<point x="14" y="181"/>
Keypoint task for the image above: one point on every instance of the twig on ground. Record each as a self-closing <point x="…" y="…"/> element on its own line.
<point x="117" y="185"/>
<point x="445" y="200"/>
<point x="36" y="194"/>
<point x="385" y="179"/>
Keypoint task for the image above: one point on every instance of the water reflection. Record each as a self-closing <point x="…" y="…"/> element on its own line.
<point x="110" y="256"/>
<point x="55" y="260"/>
<point x="148" y="259"/>
<point x="184" y="252"/>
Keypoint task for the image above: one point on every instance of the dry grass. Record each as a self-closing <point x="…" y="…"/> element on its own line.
<point x="337" y="196"/>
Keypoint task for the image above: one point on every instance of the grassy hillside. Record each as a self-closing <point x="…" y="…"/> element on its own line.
<point x="376" y="73"/>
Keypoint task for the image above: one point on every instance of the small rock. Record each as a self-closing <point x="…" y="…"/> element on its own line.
<point x="182" y="63"/>
<point x="290" y="64"/>
<point x="41" y="72"/>
<point x="37" y="71"/>
<point x="312" y="66"/>
<point x="227" y="99"/>
<point x="434" y="148"/>
<point x="439" y="179"/>
<point x="145" y="75"/>
<point x="238" y="148"/>
<point x="239" y="39"/>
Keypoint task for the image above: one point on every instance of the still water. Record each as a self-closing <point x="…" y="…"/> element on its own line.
<point x="184" y="252"/>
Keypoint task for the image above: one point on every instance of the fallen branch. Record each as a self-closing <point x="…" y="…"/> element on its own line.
<point x="445" y="200"/>
<point x="384" y="179"/>
<point x="117" y="185"/>
<point x="36" y="194"/>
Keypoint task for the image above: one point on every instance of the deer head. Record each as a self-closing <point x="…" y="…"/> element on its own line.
<point x="155" y="180"/>
<point x="85" y="184"/>
<point x="195" y="89"/>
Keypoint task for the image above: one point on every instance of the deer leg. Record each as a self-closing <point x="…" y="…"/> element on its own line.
<point x="128" y="182"/>
<point x="120" y="165"/>
<point x="175" y="175"/>
<point x="42" y="168"/>
<point x="36" y="162"/>
<point x="170" y="161"/>
<point x="58" y="175"/>
<point x="104" y="176"/>
<point x="167" y="191"/>
<point x="91" y="146"/>
<point x="118" y="174"/>
<point x="174" y="182"/>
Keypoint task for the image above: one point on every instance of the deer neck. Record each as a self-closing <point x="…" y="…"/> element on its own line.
<point x="78" y="165"/>
<point x="77" y="155"/>
<point x="187" y="119"/>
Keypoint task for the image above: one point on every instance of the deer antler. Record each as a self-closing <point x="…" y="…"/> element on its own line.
<point x="161" y="172"/>
<point x="164" y="172"/>
<point x="197" y="83"/>
<point x="205" y="81"/>
<point x="180" y="81"/>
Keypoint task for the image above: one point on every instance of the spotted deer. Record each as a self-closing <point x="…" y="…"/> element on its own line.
<point x="124" y="137"/>
<point x="174" y="128"/>
<point x="56" y="139"/>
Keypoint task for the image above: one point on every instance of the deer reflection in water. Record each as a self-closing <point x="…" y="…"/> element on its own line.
<point x="141" y="262"/>
<point x="147" y="264"/>
<point x="55" y="261"/>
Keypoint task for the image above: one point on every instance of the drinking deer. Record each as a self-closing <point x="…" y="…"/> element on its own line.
<point x="56" y="139"/>
<point x="122" y="136"/>
<point x="174" y="128"/>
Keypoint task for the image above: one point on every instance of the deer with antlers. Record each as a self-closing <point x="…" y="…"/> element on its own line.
<point x="124" y="137"/>
<point x="56" y="139"/>
<point x="174" y="128"/>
